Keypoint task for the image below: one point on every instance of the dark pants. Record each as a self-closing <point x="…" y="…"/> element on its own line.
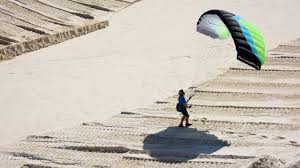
<point x="184" y="112"/>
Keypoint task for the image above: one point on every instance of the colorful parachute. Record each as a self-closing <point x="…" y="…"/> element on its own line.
<point x="248" y="39"/>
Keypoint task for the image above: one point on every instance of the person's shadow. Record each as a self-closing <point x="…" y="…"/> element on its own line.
<point x="181" y="144"/>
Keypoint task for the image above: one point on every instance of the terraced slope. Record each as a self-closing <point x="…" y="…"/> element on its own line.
<point x="237" y="118"/>
<point x="290" y="47"/>
<point x="27" y="25"/>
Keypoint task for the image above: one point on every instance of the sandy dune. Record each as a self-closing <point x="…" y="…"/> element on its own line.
<point x="29" y="25"/>
<point x="148" y="52"/>
<point x="132" y="63"/>
<point x="253" y="128"/>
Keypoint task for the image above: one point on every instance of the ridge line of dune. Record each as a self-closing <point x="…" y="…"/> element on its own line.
<point x="35" y="24"/>
<point x="12" y="51"/>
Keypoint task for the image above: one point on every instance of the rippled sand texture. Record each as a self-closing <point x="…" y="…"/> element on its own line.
<point x="29" y="25"/>
<point x="243" y="117"/>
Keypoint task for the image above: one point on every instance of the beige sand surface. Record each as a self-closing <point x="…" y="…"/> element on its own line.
<point x="250" y="128"/>
<point x="139" y="59"/>
<point x="29" y="25"/>
<point x="142" y="58"/>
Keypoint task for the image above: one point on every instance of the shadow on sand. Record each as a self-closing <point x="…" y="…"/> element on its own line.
<point x="181" y="144"/>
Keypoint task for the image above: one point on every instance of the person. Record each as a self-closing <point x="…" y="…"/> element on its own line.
<point x="182" y="107"/>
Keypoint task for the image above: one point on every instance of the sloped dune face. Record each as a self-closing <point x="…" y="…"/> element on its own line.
<point x="29" y="22"/>
<point x="291" y="47"/>
<point x="238" y="117"/>
<point x="231" y="128"/>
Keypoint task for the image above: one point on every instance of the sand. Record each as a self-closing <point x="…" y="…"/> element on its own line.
<point x="142" y="58"/>
<point x="231" y="129"/>
<point x="138" y="59"/>
<point x="34" y="24"/>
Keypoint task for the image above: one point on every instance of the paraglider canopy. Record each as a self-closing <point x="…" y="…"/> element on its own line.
<point x="248" y="39"/>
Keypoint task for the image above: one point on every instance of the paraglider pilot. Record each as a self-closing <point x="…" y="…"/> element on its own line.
<point x="182" y="106"/>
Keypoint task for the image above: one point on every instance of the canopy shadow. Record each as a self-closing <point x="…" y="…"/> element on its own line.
<point x="181" y="144"/>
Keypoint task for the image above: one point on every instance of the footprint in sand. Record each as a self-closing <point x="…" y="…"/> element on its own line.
<point x="294" y="143"/>
<point x="251" y="133"/>
<point x="279" y="137"/>
<point x="203" y="119"/>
